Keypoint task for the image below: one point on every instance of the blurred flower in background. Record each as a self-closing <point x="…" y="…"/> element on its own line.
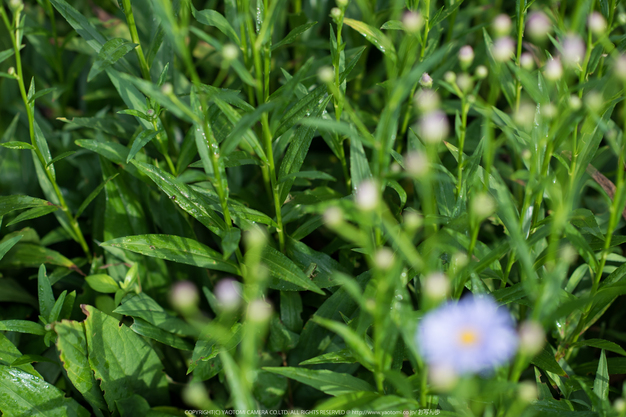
<point x="469" y="336"/>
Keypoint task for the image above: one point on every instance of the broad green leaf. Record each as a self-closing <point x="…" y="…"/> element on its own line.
<point x="545" y="360"/>
<point x="601" y="383"/>
<point x="9" y="354"/>
<point x="175" y="249"/>
<point x="291" y="310"/>
<point x="109" y="54"/>
<point x="33" y="213"/>
<point x="214" y="18"/>
<point x="24" y="394"/>
<point x="125" y="363"/>
<point x="12" y="292"/>
<point x="8" y="53"/>
<point x="72" y="345"/>
<point x="92" y="195"/>
<point x="355" y="342"/>
<point x="115" y="126"/>
<point x="146" y="329"/>
<point x="22" y="326"/>
<point x="241" y="398"/>
<point x="44" y="292"/>
<point x="17" y="145"/>
<point x="601" y="344"/>
<point x="359" y="166"/>
<point x="340" y="356"/>
<point x="351" y="400"/>
<point x="115" y="153"/>
<point x="286" y="275"/>
<point x="393" y="25"/>
<point x="331" y="383"/>
<point x="8" y="244"/>
<point x="293" y="35"/>
<point x="19" y="202"/>
<point x="31" y="255"/>
<point x="140" y="141"/>
<point x="102" y="283"/>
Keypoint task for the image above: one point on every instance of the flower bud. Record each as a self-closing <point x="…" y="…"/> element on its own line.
<point x="167" y="89"/>
<point x="619" y="68"/>
<point x="549" y="111"/>
<point x="594" y="101"/>
<point x="11" y="71"/>
<point x="383" y="258"/>
<point x="574" y="102"/>
<point x="436" y="286"/>
<point x="443" y="378"/>
<point x="596" y="23"/>
<point x="326" y="74"/>
<point x="531" y="338"/>
<point x="568" y="254"/>
<point x="342" y="3"/>
<point x="538" y="26"/>
<point x="619" y="405"/>
<point x="527" y="391"/>
<point x="195" y="395"/>
<point x="525" y="115"/>
<point x="230" y="52"/>
<point x="573" y="50"/>
<point x="433" y="127"/>
<point x="16" y="4"/>
<point x="367" y="196"/>
<point x="412" y="220"/>
<point x="465" y="82"/>
<point x="228" y="293"/>
<point x="482" y="206"/>
<point x="333" y="216"/>
<point x="427" y="100"/>
<point x="259" y="311"/>
<point x="466" y="56"/>
<point x="184" y="296"/>
<point x="449" y="77"/>
<point x="426" y="81"/>
<point x="503" y="49"/>
<point x="481" y="72"/>
<point x="335" y="13"/>
<point x="527" y="61"/>
<point x="501" y="25"/>
<point x="553" y="70"/>
<point x="412" y="22"/>
<point x="416" y="164"/>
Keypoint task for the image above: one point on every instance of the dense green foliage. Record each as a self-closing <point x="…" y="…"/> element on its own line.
<point x="250" y="205"/>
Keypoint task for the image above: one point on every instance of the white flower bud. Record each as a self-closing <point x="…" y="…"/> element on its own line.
<point x="167" y="89"/>
<point x="527" y="61"/>
<point x="594" y="101"/>
<point x="619" y="405"/>
<point x="367" y="196"/>
<point x="342" y="3"/>
<point x="412" y="22"/>
<point x="259" y="311"/>
<point x="538" y="26"/>
<point x="482" y="205"/>
<point x="383" y="258"/>
<point x="230" y="52"/>
<point x="436" y="286"/>
<point x="503" y="49"/>
<point x="184" y="296"/>
<point x="426" y="81"/>
<point x="568" y="254"/>
<point x="549" y="111"/>
<point x="573" y="50"/>
<point x="412" y="220"/>
<point x="620" y="67"/>
<point x="254" y="237"/>
<point x="553" y="70"/>
<point x="195" y="394"/>
<point x="395" y="167"/>
<point x="460" y="259"/>
<point x="150" y="113"/>
<point x="525" y="115"/>
<point x="527" y="391"/>
<point x="501" y="25"/>
<point x="621" y="18"/>
<point x="481" y="72"/>
<point x="449" y="77"/>
<point x="442" y="377"/>
<point x="466" y="56"/>
<point x="16" y="4"/>
<point x="333" y="216"/>
<point x="427" y="100"/>
<point x="531" y="338"/>
<point x="335" y="13"/>
<point x="433" y="127"/>
<point x="465" y="82"/>
<point x="596" y="23"/>
<point x="326" y="74"/>
<point x="11" y="71"/>
<point x="574" y="102"/>
<point x="416" y="163"/>
<point x="228" y="293"/>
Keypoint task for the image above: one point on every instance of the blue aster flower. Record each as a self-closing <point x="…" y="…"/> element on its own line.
<point x="470" y="336"/>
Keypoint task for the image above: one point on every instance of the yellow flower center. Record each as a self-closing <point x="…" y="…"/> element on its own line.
<point x="468" y="337"/>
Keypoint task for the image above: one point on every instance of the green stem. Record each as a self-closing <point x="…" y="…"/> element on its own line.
<point x="464" y="111"/>
<point x="520" y="35"/>
<point x="134" y="35"/>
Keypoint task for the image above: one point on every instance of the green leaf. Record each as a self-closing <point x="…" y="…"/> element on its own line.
<point x="44" y="292"/>
<point x="283" y="269"/>
<point x="214" y="18"/>
<point x="545" y="360"/>
<point x="331" y="383"/>
<point x="146" y="329"/>
<point x="356" y="344"/>
<point x="601" y="383"/>
<point x="109" y="54"/>
<point x="8" y="244"/>
<point x="31" y="255"/>
<point x="72" y="346"/>
<point x="33" y="214"/>
<point x="8" y="53"/>
<point x="185" y="197"/>
<point x="375" y="36"/>
<point x="19" y="202"/>
<point x="340" y="356"/>
<point x="140" y="141"/>
<point x="175" y="249"/>
<point x="17" y="145"/>
<point x="9" y="354"/>
<point x="393" y="25"/>
<point x="24" y="394"/>
<point x="124" y="362"/>
<point x="102" y="283"/>
<point x="293" y="35"/>
<point x="22" y="326"/>
<point x="92" y="195"/>
<point x="601" y="344"/>
<point x="58" y="158"/>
